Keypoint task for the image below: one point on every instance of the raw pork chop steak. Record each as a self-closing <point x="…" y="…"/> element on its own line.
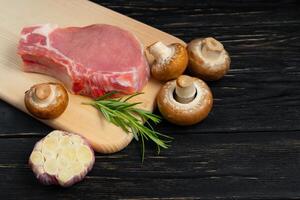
<point x="90" y="60"/>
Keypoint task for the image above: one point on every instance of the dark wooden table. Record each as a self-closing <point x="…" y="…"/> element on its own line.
<point x="248" y="147"/>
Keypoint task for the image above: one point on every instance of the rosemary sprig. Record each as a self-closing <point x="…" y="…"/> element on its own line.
<point x="131" y="119"/>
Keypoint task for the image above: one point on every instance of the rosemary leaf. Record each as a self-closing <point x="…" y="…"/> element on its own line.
<point x="131" y="119"/>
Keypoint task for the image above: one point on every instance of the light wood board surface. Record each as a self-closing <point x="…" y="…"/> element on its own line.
<point x="78" y="118"/>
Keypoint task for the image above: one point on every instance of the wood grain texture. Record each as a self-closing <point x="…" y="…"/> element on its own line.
<point x="248" y="147"/>
<point x="78" y="118"/>
<point x="245" y="167"/>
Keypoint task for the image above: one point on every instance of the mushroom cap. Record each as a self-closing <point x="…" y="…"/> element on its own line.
<point x="164" y="70"/>
<point x="203" y="68"/>
<point x="46" y="100"/>
<point x="185" y="113"/>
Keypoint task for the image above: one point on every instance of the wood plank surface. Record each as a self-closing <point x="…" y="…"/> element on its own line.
<point x="248" y="147"/>
<point x="78" y="118"/>
<point x="239" y="167"/>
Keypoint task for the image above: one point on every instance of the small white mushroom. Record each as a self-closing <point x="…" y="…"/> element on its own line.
<point x="208" y="59"/>
<point x="170" y="60"/>
<point x="46" y="100"/>
<point x="185" y="101"/>
<point x="61" y="158"/>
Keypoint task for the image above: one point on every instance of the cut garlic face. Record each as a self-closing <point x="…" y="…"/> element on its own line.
<point x="61" y="158"/>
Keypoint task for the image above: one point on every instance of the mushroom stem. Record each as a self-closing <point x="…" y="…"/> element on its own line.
<point x="211" y="48"/>
<point x="42" y="91"/>
<point x="185" y="90"/>
<point x="160" y="51"/>
<point x="44" y="95"/>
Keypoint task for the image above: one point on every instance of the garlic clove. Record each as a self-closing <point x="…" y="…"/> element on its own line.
<point x="51" y="166"/>
<point x="64" y="176"/>
<point x="84" y="155"/>
<point x="50" y="147"/>
<point x="65" y="141"/>
<point x="77" y="168"/>
<point x="69" y="153"/>
<point x="37" y="158"/>
<point x="76" y="140"/>
<point x="62" y="162"/>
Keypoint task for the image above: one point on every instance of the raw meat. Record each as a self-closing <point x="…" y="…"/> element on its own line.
<point x="90" y="60"/>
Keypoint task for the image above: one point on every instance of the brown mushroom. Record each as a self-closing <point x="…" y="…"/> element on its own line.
<point x="208" y="59"/>
<point x="170" y="60"/>
<point x="185" y="101"/>
<point x="46" y="100"/>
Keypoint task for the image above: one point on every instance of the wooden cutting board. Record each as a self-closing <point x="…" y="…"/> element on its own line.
<point x="78" y="118"/>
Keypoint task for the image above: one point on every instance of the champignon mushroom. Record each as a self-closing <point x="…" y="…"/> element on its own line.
<point x="208" y="59"/>
<point x="185" y="101"/>
<point x="46" y="100"/>
<point x="170" y="60"/>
